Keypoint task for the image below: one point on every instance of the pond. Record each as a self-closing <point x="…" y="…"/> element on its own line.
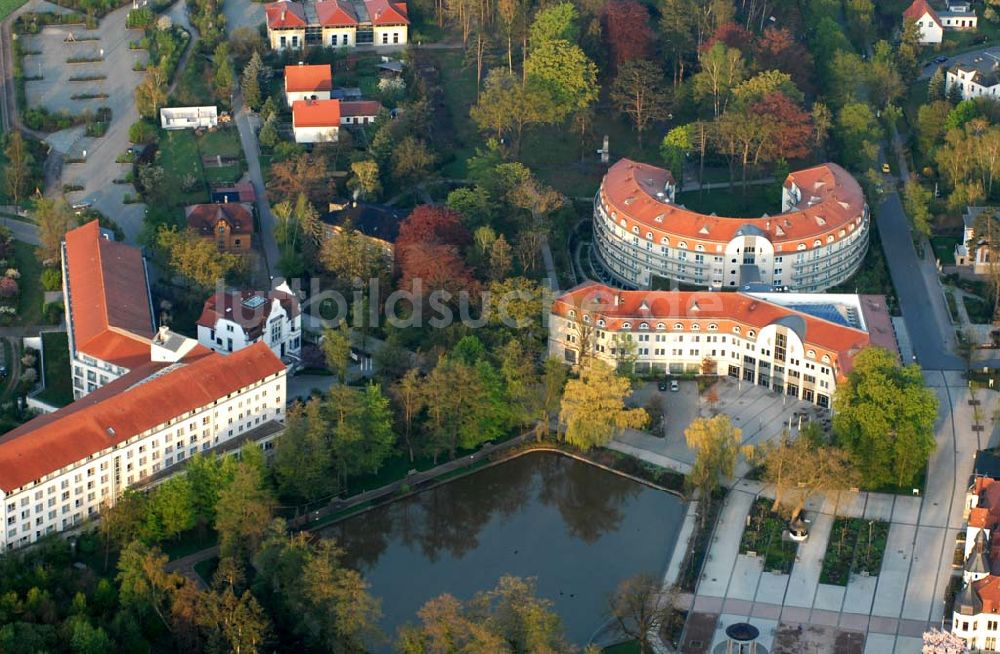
<point x="579" y="529"/>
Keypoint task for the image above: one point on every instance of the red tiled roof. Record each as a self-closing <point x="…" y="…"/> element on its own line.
<point x="109" y="299"/>
<point x="917" y="10"/>
<point x="124" y="408"/>
<point x="988" y="590"/>
<point x="315" y="113"/>
<point x="230" y="306"/>
<point x="285" y="14"/>
<point x="360" y="107"/>
<point x="335" y="13"/>
<point x="385" y="12"/>
<point x="987" y="513"/>
<point x="204" y="217"/>
<point x="307" y="78"/>
<point x="831" y="202"/>
<point x="724" y="309"/>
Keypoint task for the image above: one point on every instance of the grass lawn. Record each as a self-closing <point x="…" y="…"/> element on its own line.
<point x="58" y="378"/>
<point x="192" y="86"/>
<point x="29" y="304"/>
<point x="7" y="7"/>
<point x="181" y="153"/>
<point x="944" y="248"/>
<point x="753" y="203"/>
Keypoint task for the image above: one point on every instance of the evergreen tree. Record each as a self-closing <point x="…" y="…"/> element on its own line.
<point x="250" y="82"/>
<point x="935" y="87"/>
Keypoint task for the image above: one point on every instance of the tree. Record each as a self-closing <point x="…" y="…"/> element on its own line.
<point x="143" y="582"/>
<point x="408" y="394"/>
<point x="429" y="248"/>
<point x="364" y="179"/>
<point x="722" y="69"/>
<point x="196" y="259"/>
<point x="986" y="233"/>
<point x="675" y="147"/>
<point x="778" y="48"/>
<point x="799" y="468"/>
<point x="916" y="201"/>
<point x="250" y="81"/>
<point x="639" y="93"/>
<point x="237" y="623"/>
<point x="336" y="345"/>
<point x="677" y="29"/>
<point x="593" y="407"/>
<point x="716" y="444"/>
<point x="627" y="31"/>
<point x="936" y="85"/>
<point x="858" y="132"/>
<point x="554" y="375"/>
<point x="224" y="75"/>
<point x="554" y="23"/>
<point x="412" y="160"/>
<point x="908" y="53"/>
<point x="268" y="134"/>
<point x="151" y="93"/>
<point x="54" y="218"/>
<point x="303" y="174"/>
<point x="17" y="172"/>
<point x="885" y="417"/>
<point x="566" y="76"/>
<point x="302" y="456"/>
<point x="243" y="511"/>
<point x="938" y="641"/>
<point x="639" y="609"/>
<point x="931" y="124"/>
<point x="170" y="510"/>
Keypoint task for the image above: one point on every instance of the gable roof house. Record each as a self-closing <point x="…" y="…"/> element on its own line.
<point x="286" y="24"/>
<point x="979" y="77"/>
<point x="109" y="313"/>
<point x="229" y="224"/>
<point x="932" y="23"/>
<point x="307" y="82"/>
<point x="976" y="611"/>
<point x="316" y="121"/>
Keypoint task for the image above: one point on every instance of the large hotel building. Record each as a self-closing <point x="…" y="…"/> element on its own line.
<point x="798" y="344"/>
<point x="148" y="400"/>
<point x="818" y="241"/>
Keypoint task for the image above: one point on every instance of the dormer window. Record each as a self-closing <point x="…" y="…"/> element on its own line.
<point x="678" y="326"/>
<point x="811" y="354"/>
<point x="737" y="330"/>
<point x="644" y="325"/>
<point x="660" y="326"/>
<point x="601" y="323"/>
<point x="713" y="327"/>
<point x="626" y="325"/>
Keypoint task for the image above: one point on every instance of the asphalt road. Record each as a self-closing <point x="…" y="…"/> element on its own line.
<point x="919" y="292"/>
<point x="245" y="122"/>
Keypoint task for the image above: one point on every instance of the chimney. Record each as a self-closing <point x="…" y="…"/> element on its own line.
<point x="618" y="299"/>
<point x="282" y="14"/>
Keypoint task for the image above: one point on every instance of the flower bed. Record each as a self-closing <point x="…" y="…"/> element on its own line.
<point x="856" y="546"/>
<point x="762" y="536"/>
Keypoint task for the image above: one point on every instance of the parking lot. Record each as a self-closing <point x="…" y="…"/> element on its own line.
<point x="758" y="412"/>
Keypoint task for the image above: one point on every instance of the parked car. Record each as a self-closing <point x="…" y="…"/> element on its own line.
<point x="674" y="386"/>
<point x="941" y="59"/>
<point x="661" y="385"/>
<point x="886" y="168"/>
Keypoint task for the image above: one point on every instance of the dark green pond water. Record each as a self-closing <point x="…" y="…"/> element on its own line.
<point x="578" y="529"/>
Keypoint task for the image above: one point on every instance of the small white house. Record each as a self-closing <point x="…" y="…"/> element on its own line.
<point x="233" y="320"/>
<point x="932" y="24"/>
<point x="316" y="121"/>
<point x="188" y="117"/>
<point x="977" y="259"/>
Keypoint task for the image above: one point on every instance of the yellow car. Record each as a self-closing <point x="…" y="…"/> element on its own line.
<point x="885" y="168"/>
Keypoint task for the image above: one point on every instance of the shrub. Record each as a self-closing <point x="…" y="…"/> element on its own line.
<point x="8" y="288"/>
<point x="53" y="312"/>
<point x="140" y="18"/>
<point x="52" y="279"/>
<point x="142" y="132"/>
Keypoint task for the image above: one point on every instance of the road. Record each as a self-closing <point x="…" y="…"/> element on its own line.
<point x="23" y="231"/>
<point x="246" y="122"/>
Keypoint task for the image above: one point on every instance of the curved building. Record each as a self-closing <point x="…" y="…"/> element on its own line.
<point x="818" y="241"/>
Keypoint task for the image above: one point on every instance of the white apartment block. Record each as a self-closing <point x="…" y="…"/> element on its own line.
<point x="57" y="470"/>
<point x="978" y="78"/>
<point x="801" y="345"/>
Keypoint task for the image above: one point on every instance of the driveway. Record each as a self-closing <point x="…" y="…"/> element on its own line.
<point x="246" y="122"/>
<point x="242" y="13"/>
<point x="978" y="56"/>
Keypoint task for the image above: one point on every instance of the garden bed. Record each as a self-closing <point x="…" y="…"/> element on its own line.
<point x="58" y="389"/>
<point x="840" y="549"/>
<point x="980" y="312"/>
<point x="871" y="547"/>
<point x="762" y="537"/>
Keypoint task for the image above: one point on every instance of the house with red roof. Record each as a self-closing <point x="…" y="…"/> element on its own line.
<point x="109" y="311"/>
<point x="316" y="121"/>
<point x="308" y="82"/>
<point x="336" y="23"/>
<point x="932" y="23"/>
<point x="359" y="112"/>
<point x="227" y="224"/>
<point x="797" y="344"/>
<point x="233" y="320"/>
<point x="976" y="611"/>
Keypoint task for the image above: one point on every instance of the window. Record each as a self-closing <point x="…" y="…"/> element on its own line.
<point x="343" y="40"/>
<point x="395" y="37"/>
<point x="385" y="38"/>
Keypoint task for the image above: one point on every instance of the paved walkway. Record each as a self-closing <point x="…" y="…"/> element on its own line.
<point x="246" y="122"/>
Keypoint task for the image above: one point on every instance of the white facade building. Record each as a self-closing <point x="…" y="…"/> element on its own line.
<point x="189" y="117"/>
<point x="336" y="23"/>
<point x="932" y="24"/>
<point x="235" y="320"/>
<point x="818" y="240"/>
<point x="978" y="78"/>
<point x="798" y="344"/>
<point x="57" y="470"/>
